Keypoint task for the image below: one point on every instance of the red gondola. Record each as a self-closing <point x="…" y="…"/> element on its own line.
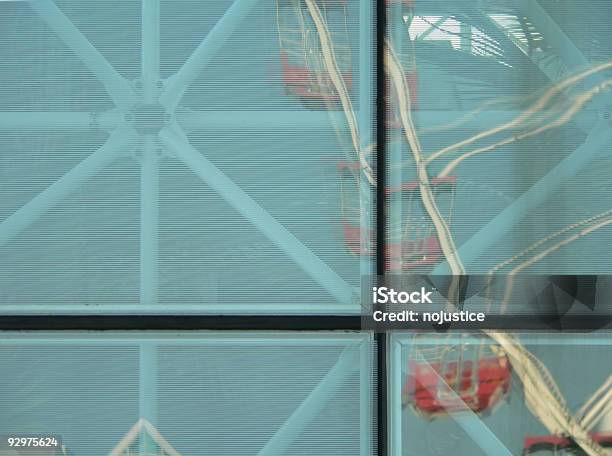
<point x="544" y="445"/>
<point x="412" y="243"/>
<point x="304" y="73"/>
<point x="452" y="378"/>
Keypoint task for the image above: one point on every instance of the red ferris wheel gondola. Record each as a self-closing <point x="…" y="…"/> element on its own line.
<point x="551" y="445"/>
<point x="304" y="74"/>
<point x="448" y="378"/>
<point x="412" y="243"/>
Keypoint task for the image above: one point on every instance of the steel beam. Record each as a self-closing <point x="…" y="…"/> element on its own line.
<point x="258" y="216"/>
<point x="254" y="120"/>
<point x="315" y="402"/>
<point x="181" y="338"/>
<point x="117" y="87"/>
<point x="304" y="120"/>
<point x="149" y="222"/>
<point x="395" y="384"/>
<point x="365" y="118"/>
<point x="147" y="394"/>
<point x="208" y="48"/>
<point x="60" y="120"/>
<point x="367" y="417"/>
<point x="149" y="164"/>
<point x="480" y="242"/>
<point x="150" y="49"/>
<point x="249" y="338"/>
<point x="117" y="144"/>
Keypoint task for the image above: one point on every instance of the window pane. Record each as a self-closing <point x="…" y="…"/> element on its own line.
<point x="183" y="159"/>
<point x="503" y="107"/>
<point x="193" y="393"/>
<point x="462" y="394"/>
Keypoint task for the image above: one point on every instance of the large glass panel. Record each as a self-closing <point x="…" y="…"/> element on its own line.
<point x="190" y="393"/>
<point x="184" y="156"/>
<point x="500" y="393"/>
<point x="499" y="126"/>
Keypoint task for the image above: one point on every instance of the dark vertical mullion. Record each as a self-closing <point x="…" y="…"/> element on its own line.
<point x="381" y="138"/>
<point x="381" y="217"/>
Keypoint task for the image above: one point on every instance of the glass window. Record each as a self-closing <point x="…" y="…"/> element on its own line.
<point x="163" y="158"/>
<point x="461" y="393"/>
<point x="503" y="99"/>
<point x="191" y="393"/>
<point x="183" y="156"/>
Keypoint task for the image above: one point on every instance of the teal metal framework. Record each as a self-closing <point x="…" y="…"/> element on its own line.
<point x="151" y="97"/>
<point x="148" y="101"/>
<point x="149" y="124"/>
<point x="356" y="358"/>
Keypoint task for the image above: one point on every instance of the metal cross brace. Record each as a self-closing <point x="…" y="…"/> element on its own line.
<point x="145" y="124"/>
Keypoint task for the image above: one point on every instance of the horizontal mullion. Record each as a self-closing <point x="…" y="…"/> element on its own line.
<point x="181" y="323"/>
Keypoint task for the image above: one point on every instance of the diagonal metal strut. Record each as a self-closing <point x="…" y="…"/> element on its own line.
<point x="178" y="83"/>
<point x="118" y="88"/>
<point x="117" y="144"/>
<point x="258" y="216"/>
